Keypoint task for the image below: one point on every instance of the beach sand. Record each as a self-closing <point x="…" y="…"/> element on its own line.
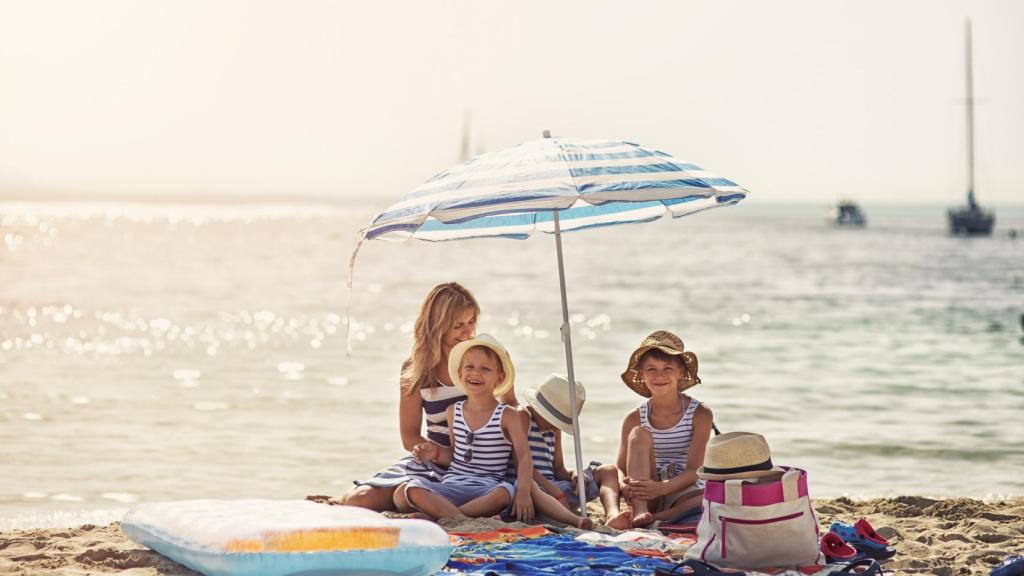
<point x="942" y="537"/>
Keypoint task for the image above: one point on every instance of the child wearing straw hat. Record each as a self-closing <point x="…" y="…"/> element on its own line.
<point x="663" y="440"/>
<point x="548" y="413"/>
<point x="484" y="434"/>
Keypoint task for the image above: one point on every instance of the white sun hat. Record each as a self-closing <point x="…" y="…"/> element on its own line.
<point x="551" y="400"/>
<point x="487" y="341"/>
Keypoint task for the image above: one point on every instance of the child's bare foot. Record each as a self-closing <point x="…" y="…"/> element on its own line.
<point x="585" y="523"/>
<point x="641" y="520"/>
<point x="621" y="521"/>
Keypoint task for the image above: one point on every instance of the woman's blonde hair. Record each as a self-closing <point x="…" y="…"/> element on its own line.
<point x="441" y="309"/>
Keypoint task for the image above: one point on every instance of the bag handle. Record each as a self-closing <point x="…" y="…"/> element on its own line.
<point x="734" y="492"/>
<point x="791" y="485"/>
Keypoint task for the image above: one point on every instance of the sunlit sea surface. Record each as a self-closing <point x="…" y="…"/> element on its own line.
<point x="176" y="351"/>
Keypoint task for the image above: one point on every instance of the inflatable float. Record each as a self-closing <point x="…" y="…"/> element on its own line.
<point x="282" y="538"/>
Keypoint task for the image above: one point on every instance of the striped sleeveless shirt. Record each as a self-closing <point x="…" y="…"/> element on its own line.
<point x="436" y="401"/>
<point x="491" y="451"/>
<point x="672" y="445"/>
<point x="542" y="450"/>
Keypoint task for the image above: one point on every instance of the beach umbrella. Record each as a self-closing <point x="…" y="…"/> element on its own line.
<point x="551" y="185"/>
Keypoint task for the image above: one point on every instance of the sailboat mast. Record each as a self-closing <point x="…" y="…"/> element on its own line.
<point x="970" y="120"/>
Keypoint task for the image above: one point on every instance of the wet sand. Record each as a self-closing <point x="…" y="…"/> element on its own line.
<point x="942" y="537"/>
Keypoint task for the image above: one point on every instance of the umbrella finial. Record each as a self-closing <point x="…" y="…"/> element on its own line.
<point x="547" y="134"/>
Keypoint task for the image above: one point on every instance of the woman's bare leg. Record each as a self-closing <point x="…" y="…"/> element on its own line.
<point x="378" y="498"/>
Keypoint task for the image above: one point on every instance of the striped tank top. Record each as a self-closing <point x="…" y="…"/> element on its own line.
<point x="542" y="450"/>
<point x="483" y="452"/>
<point x="436" y="401"/>
<point x="671" y="445"/>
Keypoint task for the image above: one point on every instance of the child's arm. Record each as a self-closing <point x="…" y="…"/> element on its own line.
<point x="430" y="452"/>
<point x="512" y="426"/>
<point x="559" y="464"/>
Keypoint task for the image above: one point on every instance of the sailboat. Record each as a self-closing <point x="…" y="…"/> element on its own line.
<point x="846" y="214"/>
<point x="972" y="219"/>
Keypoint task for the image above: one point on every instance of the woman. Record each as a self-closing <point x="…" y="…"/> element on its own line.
<point x="448" y="316"/>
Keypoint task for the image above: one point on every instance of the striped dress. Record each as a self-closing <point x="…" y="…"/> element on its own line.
<point x="490" y="449"/>
<point x="436" y="401"/>
<point x="671" y="445"/>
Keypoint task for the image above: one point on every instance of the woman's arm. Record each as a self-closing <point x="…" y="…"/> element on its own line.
<point x="510" y="397"/>
<point x="410" y="419"/>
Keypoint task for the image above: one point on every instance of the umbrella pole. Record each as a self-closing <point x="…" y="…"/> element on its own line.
<point x="567" y="339"/>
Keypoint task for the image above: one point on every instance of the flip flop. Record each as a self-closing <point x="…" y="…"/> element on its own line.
<point x="864" y="539"/>
<point x="869" y="565"/>
<point x="836" y="549"/>
<point x="697" y="568"/>
<point x="1010" y="566"/>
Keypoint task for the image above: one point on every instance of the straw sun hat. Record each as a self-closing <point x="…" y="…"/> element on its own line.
<point x="737" y="455"/>
<point x="551" y="400"/>
<point x="487" y="341"/>
<point x="668" y="343"/>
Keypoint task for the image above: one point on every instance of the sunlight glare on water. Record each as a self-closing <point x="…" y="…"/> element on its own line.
<point x="184" y="351"/>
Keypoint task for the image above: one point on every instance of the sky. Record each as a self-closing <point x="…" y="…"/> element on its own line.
<point x="795" y="100"/>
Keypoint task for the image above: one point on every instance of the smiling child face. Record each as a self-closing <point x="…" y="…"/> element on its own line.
<point x="480" y="371"/>
<point x="660" y="375"/>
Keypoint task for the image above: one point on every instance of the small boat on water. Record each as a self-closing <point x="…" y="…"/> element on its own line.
<point x="846" y="214"/>
<point x="972" y="219"/>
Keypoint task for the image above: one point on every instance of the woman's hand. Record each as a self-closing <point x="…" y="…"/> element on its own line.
<point x="426" y="452"/>
<point x="523" y="505"/>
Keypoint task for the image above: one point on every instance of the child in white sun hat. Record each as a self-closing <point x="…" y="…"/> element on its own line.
<point x="549" y="413"/>
<point x="484" y="435"/>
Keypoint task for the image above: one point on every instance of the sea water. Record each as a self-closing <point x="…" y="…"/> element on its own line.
<point x="156" y="351"/>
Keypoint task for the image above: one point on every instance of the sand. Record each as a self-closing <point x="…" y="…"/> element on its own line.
<point x="942" y="537"/>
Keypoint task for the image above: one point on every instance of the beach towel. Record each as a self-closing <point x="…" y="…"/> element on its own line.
<point x="549" y="555"/>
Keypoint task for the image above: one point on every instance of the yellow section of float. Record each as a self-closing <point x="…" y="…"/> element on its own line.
<point x="318" y="540"/>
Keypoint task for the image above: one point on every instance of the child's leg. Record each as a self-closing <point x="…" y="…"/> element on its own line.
<point x="487" y="505"/>
<point x="681" y="505"/>
<point x="639" y="466"/>
<point x="607" y="477"/>
<point x="430" y="503"/>
<point x="549" y="506"/>
<point x="400" y="500"/>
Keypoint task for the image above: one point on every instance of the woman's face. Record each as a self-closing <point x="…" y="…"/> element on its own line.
<point x="464" y="329"/>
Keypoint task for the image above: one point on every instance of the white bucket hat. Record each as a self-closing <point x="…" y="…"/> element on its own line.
<point x="551" y="400"/>
<point x="737" y="455"/>
<point x="487" y="341"/>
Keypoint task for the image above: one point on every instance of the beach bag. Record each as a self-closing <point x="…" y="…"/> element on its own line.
<point x="751" y="525"/>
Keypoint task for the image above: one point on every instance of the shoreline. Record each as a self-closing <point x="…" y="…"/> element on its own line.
<point x="945" y="537"/>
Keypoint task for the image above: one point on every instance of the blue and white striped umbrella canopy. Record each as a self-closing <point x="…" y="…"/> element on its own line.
<point x="513" y="192"/>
